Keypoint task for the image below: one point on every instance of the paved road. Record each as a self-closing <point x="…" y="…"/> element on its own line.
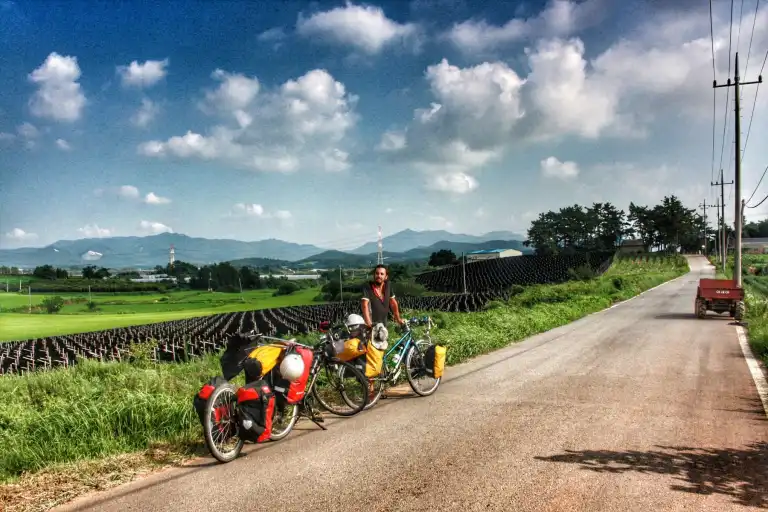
<point x="639" y="407"/>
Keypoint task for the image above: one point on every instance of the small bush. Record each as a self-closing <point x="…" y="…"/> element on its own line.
<point x="53" y="304"/>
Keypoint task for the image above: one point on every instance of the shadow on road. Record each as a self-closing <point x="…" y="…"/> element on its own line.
<point x="691" y="316"/>
<point x="739" y="473"/>
<point x="753" y="406"/>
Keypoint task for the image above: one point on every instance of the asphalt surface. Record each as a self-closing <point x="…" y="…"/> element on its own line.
<point x="639" y="407"/>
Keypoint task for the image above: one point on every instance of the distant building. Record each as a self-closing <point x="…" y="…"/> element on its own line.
<point x="492" y="254"/>
<point x="754" y="245"/>
<point x="154" y="278"/>
<point x="632" y="246"/>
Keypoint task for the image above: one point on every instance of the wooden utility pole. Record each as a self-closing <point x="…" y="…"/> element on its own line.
<point x="737" y="178"/>
<point x="705" y="206"/>
<point x="723" y="252"/>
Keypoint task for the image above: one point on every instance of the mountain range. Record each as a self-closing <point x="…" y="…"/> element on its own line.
<point x="148" y="251"/>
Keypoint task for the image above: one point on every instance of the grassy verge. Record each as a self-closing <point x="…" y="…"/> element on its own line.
<point x="76" y="422"/>
<point x="756" y="299"/>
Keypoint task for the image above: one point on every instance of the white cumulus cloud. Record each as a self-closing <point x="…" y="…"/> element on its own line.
<point x="480" y="111"/>
<point x="152" y="198"/>
<point x="560" y="18"/>
<point x="154" y="227"/>
<point x="364" y="27"/>
<point x="303" y="122"/>
<point x="128" y="191"/>
<point x="58" y="96"/>
<point x="94" y="231"/>
<point x="243" y="210"/>
<point x="146" y="113"/>
<point x="19" y="234"/>
<point x="63" y="145"/>
<point x="143" y="75"/>
<point x="551" y="167"/>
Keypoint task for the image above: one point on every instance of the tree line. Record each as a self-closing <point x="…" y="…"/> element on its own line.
<point x="667" y="226"/>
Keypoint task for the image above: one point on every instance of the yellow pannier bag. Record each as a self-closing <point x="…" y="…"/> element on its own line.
<point x="267" y="355"/>
<point x="374" y="358"/>
<point x="434" y="360"/>
<point x="350" y="349"/>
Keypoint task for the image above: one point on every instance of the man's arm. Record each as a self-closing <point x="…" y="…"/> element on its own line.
<point x="395" y="310"/>
<point x="366" y="311"/>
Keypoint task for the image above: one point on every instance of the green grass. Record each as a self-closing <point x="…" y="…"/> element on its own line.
<point x="756" y="298"/>
<point x="124" y="309"/>
<point x="97" y="410"/>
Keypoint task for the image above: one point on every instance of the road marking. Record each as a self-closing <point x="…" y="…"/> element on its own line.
<point x="755" y="368"/>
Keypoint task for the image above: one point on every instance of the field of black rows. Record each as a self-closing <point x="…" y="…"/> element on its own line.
<point x="499" y="274"/>
<point x="202" y="334"/>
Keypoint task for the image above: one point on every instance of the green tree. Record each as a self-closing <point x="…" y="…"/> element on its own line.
<point x="442" y="257"/>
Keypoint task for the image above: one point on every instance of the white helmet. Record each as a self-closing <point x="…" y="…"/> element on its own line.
<point x="353" y="320"/>
<point x="292" y="367"/>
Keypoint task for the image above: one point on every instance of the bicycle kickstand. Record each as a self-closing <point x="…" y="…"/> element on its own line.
<point x="309" y="413"/>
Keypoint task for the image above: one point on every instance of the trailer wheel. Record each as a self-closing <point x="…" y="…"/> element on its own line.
<point x="701" y="308"/>
<point x="739" y="311"/>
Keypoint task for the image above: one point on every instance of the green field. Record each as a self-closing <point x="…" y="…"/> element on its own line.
<point x="122" y="310"/>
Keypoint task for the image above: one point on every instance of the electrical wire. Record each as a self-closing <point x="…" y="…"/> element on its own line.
<point x="756" y="187"/>
<point x="764" y="199"/>
<point x="749" y="51"/>
<point x="754" y="103"/>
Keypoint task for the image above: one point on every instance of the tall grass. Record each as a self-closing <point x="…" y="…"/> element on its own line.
<point x="99" y="409"/>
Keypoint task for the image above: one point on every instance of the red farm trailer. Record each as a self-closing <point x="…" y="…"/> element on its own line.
<point x="720" y="296"/>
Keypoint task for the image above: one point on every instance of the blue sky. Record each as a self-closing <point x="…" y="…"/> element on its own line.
<point x="316" y="122"/>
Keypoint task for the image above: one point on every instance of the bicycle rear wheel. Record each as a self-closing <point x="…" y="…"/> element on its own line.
<point x="220" y="425"/>
<point x="341" y="388"/>
<point x="415" y="369"/>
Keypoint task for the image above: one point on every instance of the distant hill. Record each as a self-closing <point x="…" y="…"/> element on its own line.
<point x="148" y="251"/>
<point x="408" y="239"/>
<point x="334" y="259"/>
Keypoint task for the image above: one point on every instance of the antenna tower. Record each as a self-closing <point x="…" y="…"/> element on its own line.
<point x="171" y="257"/>
<point x="380" y="257"/>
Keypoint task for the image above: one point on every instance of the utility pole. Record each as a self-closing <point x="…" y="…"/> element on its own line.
<point x="705" y="206"/>
<point x="721" y="223"/>
<point x="718" y="245"/>
<point x="380" y="255"/>
<point x="737" y="178"/>
<point x="341" y="286"/>
<point x="464" y="271"/>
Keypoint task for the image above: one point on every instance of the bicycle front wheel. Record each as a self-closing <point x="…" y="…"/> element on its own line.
<point x="220" y="425"/>
<point x="283" y="420"/>
<point x="341" y="388"/>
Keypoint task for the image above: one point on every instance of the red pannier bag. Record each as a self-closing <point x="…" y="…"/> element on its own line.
<point x="294" y="391"/>
<point x="255" y="408"/>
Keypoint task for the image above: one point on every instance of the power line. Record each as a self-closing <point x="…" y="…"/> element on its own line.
<point x="754" y="103"/>
<point x="753" y="193"/>
<point x="754" y="19"/>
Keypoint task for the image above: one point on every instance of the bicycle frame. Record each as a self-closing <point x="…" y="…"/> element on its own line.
<point x="405" y="342"/>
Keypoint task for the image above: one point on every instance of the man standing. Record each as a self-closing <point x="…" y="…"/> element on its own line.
<point x="378" y="298"/>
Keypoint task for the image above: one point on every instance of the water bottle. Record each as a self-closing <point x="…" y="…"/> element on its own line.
<point x="396" y="359"/>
